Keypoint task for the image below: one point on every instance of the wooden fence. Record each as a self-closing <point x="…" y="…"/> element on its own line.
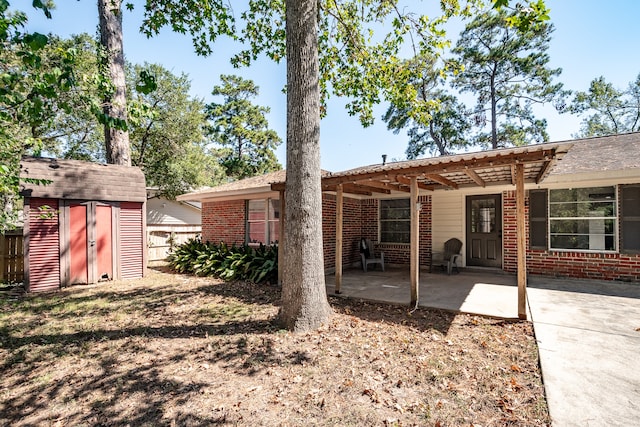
<point x="11" y="257"/>
<point x="162" y="238"/>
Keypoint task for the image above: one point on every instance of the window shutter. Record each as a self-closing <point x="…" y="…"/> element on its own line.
<point x="538" y="219"/>
<point x="630" y="218"/>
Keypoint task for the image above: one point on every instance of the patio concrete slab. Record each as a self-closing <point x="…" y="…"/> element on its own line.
<point x="488" y="294"/>
<point x="589" y="350"/>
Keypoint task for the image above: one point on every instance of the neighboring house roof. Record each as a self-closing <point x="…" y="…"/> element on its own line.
<point x="79" y="180"/>
<point x="254" y="184"/>
<point x="172" y="212"/>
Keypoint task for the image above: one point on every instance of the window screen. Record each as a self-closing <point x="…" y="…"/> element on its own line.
<point x="395" y="221"/>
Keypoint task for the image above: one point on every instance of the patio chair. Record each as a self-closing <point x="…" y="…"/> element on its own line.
<point x="367" y="255"/>
<point x="449" y="258"/>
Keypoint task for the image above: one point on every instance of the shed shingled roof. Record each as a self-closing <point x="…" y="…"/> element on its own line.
<point x="79" y="180"/>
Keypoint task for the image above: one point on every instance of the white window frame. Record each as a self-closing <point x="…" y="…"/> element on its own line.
<point x="614" y="217"/>
<point x="267" y="221"/>
<point x="381" y="221"/>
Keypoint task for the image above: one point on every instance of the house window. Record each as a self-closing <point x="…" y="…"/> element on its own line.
<point x="583" y="219"/>
<point x="395" y="221"/>
<point x="263" y="221"/>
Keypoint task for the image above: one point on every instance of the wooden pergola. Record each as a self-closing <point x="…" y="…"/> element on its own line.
<point x="512" y="166"/>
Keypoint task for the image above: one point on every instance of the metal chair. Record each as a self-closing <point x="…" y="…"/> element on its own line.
<point x="450" y="256"/>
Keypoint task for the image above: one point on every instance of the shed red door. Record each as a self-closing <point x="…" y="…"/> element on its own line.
<point x="103" y="242"/>
<point x="91" y="244"/>
<point x="78" y="244"/>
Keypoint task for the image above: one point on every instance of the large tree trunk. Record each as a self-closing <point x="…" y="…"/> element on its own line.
<point x="304" y="296"/>
<point x="115" y="104"/>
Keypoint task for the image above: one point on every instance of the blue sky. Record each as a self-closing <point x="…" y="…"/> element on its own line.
<point x="593" y="38"/>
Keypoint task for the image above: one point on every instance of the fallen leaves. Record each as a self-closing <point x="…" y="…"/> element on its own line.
<point x="371" y="365"/>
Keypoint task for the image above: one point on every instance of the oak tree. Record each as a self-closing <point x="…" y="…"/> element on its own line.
<point x="167" y="133"/>
<point x="356" y="61"/>
<point x="29" y="91"/>
<point x="439" y="124"/>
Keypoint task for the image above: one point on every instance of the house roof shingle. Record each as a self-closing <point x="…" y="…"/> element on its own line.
<point x="604" y="153"/>
<point x="609" y="153"/>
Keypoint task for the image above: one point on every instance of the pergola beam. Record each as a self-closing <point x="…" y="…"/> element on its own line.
<point x="544" y="170"/>
<point x="351" y="188"/>
<point x="382" y="185"/>
<point x="338" y="262"/>
<point x="406" y="181"/>
<point x="441" y="180"/>
<point x="475" y="177"/>
<point x="414" y="241"/>
<point x="521" y="242"/>
<point x="451" y="166"/>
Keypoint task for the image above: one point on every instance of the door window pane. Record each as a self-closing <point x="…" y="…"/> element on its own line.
<point x="483" y="216"/>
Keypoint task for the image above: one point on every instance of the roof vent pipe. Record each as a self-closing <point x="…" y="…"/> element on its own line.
<point x="384" y="159"/>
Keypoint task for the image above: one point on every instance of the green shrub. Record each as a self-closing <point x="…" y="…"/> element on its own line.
<point x="255" y="264"/>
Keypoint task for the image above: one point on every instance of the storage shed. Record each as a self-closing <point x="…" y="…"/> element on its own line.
<point x="87" y="225"/>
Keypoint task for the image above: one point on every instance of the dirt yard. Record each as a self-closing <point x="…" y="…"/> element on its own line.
<point x="172" y="350"/>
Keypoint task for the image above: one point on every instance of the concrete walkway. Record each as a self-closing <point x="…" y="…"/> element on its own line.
<point x="586" y="330"/>
<point x="589" y="344"/>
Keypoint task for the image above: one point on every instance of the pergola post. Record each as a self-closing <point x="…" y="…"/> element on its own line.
<point x="281" y="240"/>
<point x="521" y="245"/>
<point x="338" y="263"/>
<point x="415" y="241"/>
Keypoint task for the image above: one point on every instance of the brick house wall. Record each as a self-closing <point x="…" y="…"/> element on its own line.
<point x="224" y="222"/>
<point x="400" y="253"/>
<point x="581" y="265"/>
<point x="351" y="230"/>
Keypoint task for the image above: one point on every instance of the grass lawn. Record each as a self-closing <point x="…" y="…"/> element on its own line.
<point x="177" y="350"/>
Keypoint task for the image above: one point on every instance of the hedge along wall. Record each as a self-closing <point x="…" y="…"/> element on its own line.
<point x="224" y="222"/>
<point x="581" y="265"/>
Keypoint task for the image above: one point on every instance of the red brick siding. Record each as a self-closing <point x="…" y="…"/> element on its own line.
<point x="581" y="265"/>
<point x="509" y="231"/>
<point x="399" y="253"/>
<point x="351" y="214"/>
<point x="224" y="222"/>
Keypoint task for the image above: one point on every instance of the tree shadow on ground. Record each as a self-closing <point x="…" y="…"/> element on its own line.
<point x="132" y="361"/>
<point x="422" y="320"/>
<point x="243" y="347"/>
